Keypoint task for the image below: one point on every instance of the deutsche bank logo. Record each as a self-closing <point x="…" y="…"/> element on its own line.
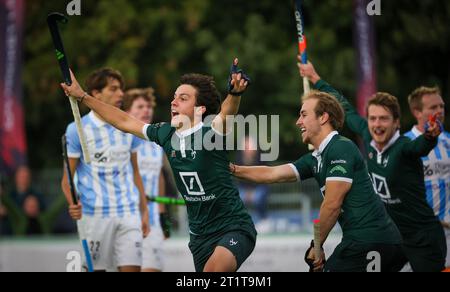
<point x="192" y="183"/>
<point x="381" y="187"/>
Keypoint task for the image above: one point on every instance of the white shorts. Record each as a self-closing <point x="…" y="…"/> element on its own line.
<point x="152" y="252"/>
<point x="114" y="242"/>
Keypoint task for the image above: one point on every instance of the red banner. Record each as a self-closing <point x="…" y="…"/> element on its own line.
<point x="364" y="40"/>
<point x="12" y="128"/>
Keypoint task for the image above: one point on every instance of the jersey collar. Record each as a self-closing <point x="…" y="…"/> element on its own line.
<point x="190" y="131"/>
<point x="99" y="123"/>
<point x="324" y="144"/>
<point x="391" y="142"/>
<point x="418" y="133"/>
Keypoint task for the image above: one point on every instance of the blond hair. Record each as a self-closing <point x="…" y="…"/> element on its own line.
<point x="132" y="94"/>
<point x="415" y="98"/>
<point x="326" y="103"/>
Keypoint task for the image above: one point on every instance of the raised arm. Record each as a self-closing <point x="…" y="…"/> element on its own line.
<point x="265" y="174"/>
<point x="354" y="121"/>
<point x="426" y="142"/>
<point x="110" y="114"/>
<point x="238" y="83"/>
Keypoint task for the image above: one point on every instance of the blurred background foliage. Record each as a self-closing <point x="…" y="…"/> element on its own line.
<point x="154" y="42"/>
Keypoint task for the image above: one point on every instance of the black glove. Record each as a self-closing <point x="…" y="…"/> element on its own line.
<point x="310" y="262"/>
<point x="235" y="70"/>
<point x="166" y="224"/>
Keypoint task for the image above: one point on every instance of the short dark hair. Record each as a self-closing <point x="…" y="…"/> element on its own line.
<point x="98" y="79"/>
<point x="387" y="101"/>
<point x="207" y="93"/>
<point x="415" y="99"/>
<point x="326" y="103"/>
<point x="132" y="94"/>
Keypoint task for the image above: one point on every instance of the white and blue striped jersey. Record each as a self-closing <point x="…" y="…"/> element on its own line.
<point x="106" y="185"/>
<point x="437" y="174"/>
<point x="150" y="161"/>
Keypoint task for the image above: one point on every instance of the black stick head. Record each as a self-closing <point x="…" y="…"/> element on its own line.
<point x="57" y="17"/>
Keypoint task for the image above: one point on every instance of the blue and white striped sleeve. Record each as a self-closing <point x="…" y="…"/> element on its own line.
<point x="73" y="142"/>
<point x="136" y="144"/>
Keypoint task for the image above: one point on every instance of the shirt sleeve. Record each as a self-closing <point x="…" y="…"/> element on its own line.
<point x="158" y="133"/>
<point x="341" y="163"/>
<point x="218" y="120"/>
<point x="303" y="167"/>
<point x="136" y="144"/>
<point x="419" y="147"/>
<point x="354" y="121"/>
<point x="73" y="142"/>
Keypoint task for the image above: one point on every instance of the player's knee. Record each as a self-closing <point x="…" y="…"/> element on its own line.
<point x="220" y="268"/>
<point x="225" y="264"/>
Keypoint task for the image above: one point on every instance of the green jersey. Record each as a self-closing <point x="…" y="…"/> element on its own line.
<point x="363" y="217"/>
<point x="397" y="171"/>
<point x="203" y="178"/>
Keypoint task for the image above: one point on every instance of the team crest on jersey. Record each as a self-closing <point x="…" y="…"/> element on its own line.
<point x="385" y="161"/>
<point x="370" y="155"/>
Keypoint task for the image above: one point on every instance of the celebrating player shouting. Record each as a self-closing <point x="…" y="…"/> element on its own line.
<point x="349" y="198"/>
<point x="222" y="232"/>
<point x="397" y="173"/>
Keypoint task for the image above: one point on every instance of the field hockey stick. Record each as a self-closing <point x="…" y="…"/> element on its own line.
<point x="80" y="227"/>
<point x="52" y="21"/>
<point x="167" y="200"/>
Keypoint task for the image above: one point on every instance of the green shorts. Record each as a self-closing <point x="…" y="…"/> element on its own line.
<point x="350" y="256"/>
<point x="426" y="250"/>
<point x="239" y="242"/>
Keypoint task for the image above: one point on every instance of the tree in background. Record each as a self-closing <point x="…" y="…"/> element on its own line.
<point x="154" y="42"/>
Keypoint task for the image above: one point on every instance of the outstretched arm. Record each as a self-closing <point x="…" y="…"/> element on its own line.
<point x="354" y="121"/>
<point x="265" y="174"/>
<point x="425" y="143"/>
<point x="110" y="114"/>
